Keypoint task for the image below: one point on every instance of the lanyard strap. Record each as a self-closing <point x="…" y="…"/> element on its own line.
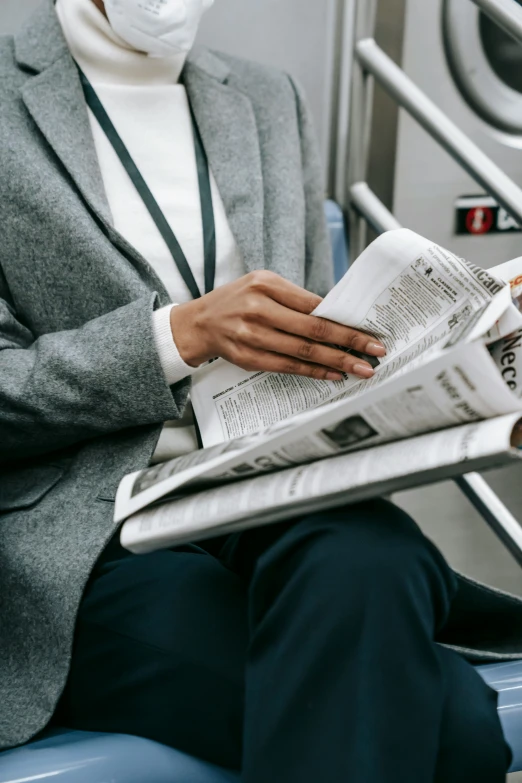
<point x="205" y="193"/>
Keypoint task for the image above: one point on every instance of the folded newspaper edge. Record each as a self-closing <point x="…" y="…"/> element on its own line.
<point x="458" y="385"/>
<point x="337" y="481"/>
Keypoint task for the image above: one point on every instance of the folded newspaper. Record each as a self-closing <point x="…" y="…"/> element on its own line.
<point x="445" y="400"/>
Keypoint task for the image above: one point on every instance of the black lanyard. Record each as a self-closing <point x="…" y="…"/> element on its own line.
<point x="205" y="193"/>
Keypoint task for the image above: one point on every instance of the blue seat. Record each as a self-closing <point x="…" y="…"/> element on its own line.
<point x="91" y="757"/>
<point x="337" y="228"/>
<point x="506" y="678"/>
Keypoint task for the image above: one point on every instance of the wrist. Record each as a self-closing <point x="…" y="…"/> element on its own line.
<point x="173" y="366"/>
<point x="188" y="334"/>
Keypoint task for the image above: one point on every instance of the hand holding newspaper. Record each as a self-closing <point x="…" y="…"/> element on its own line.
<point x="404" y="290"/>
<point x="445" y="400"/>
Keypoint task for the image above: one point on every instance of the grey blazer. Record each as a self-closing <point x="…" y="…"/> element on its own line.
<point x="82" y="393"/>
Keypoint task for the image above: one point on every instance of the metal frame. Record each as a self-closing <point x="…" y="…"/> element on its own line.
<point x="375" y="62"/>
<point x="340" y="120"/>
<point x="370" y="62"/>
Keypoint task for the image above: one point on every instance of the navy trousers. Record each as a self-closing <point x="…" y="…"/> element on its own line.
<point x="296" y="653"/>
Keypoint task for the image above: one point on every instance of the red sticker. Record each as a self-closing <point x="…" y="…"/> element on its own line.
<point x="479" y="220"/>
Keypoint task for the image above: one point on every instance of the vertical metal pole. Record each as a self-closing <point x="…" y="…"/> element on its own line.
<point x="361" y="105"/>
<point x="345" y="75"/>
<point x="339" y="74"/>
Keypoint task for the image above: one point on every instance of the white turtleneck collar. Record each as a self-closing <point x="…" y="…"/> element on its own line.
<point x="104" y="57"/>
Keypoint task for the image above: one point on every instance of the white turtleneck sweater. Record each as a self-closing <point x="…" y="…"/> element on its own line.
<point x="150" y="111"/>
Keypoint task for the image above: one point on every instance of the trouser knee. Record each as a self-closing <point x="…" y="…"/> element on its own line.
<point x="364" y="542"/>
<point x="358" y="552"/>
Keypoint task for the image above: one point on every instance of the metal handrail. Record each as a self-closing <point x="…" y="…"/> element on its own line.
<point x="474" y="487"/>
<point x="506" y="13"/>
<point x="372" y="209"/>
<point x="439" y="126"/>
<point x="493" y="511"/>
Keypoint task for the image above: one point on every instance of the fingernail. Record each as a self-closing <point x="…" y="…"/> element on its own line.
<point x="364" y="370"/>
<point x="333" y="376"/>
<point x="377" y="349"/>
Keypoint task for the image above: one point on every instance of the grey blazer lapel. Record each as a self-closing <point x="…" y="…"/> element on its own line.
<point x="54" y="98"/>
<point x="227" y="124"/>
<point x="225" y="117"/>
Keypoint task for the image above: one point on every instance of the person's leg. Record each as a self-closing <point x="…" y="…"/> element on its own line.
<point x="344" y="681"/>
<point x="469" y="723"/>
<point x="160" y="650"/>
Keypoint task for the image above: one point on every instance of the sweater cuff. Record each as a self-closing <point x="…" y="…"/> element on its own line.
<point x="174" y="368"/>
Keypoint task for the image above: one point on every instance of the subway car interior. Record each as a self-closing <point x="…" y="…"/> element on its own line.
<point x="417" y="110"/>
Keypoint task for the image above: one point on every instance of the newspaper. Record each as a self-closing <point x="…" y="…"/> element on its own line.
<point x="330" y="483"/>
<point x="461" y="384"/>
<point x="404" y="290"/>
<point x="507" y="352"/>
<point x="447" y="399"/>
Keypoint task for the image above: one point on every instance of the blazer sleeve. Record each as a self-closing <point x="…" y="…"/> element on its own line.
<point x="65" y="387"/>
<point x="318" y="263"/>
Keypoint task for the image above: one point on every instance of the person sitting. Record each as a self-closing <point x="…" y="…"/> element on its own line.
<point x="161" y="206"/>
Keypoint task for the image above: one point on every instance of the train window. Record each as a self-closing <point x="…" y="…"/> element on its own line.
<point x="504" y="54"/>
<point x="486" y="65"/>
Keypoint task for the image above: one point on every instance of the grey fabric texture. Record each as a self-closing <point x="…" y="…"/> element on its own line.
<point x="82" y="394"/>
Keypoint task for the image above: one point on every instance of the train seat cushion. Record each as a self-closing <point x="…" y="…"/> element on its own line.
<point x="338" y="238"/>
<point x="90" y="757"/>
<point x="506" y="678"/>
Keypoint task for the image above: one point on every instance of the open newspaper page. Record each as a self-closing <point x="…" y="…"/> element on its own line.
<point x="461" y="384"/>
<point x="511" y="320"/>
<point x="347" y="478"/>
<point x="403" y="289"/>
<point x="507" y="351"/>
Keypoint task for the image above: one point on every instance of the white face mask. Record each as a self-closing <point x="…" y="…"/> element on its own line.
<point x="161" y="28"/>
